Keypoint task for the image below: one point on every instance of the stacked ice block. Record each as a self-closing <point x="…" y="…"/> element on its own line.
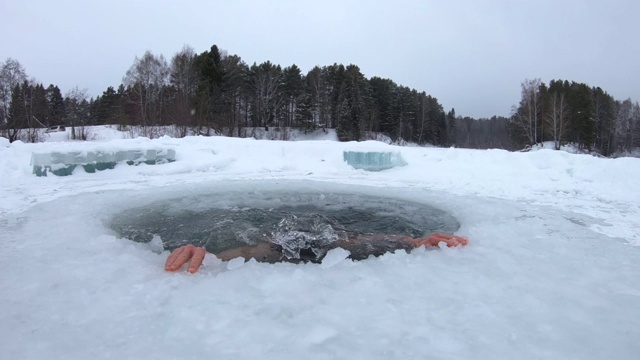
<point x="63" y="163"/>
<point x="374" y="160"/>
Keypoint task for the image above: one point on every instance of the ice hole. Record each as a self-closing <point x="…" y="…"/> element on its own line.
<point x="295" y="221"/>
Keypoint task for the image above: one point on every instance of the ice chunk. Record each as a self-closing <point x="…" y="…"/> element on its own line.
<point x="374" y="160"/>
<point x="63" y="163"/>
<point x="235" y="263"/>
<point x="156" y="245"/>
<point x="334" y="257"/>
<point x="304" y="237"/>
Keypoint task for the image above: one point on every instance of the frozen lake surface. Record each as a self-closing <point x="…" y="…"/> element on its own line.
<point x="551" y="271"/>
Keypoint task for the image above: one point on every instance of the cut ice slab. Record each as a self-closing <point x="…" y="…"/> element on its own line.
<point x="374" y="160"/>
<point x="63" y="163"/>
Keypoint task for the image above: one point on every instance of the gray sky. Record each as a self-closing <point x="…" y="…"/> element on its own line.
<point x="470" y="54"/>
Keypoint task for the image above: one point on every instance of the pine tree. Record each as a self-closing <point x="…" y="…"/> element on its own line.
<point x="39" y="107"/>
<point x="451" y="126"/>
<point x="353" y="98"/>
<point x="384" y="94"/>
<point x="292" y="90"/>
<point x="304" y="113"/>
<point x="318" y="88"/>
<point x="605" y="121"/>
<point x="56" y="105"/>
<point x="582" y="119"/>
<point x="17" y="113"/>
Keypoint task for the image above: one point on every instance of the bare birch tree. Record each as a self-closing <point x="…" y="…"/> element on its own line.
<point x="11" y="74"/>
<point x="527" y="115"/>
<point x="147" y="78"/>
<point x="265" y="82"/>
<point x="557" y="118"/>
<point x="624" y="126"/>
<point x="76" y="109"/>
<point x="184" y="79"/>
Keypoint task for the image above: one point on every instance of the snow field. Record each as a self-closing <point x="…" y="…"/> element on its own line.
<point x="551" y="270"/>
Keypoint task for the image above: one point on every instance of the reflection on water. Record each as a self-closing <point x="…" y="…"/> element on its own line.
<point x="223" y="221"/>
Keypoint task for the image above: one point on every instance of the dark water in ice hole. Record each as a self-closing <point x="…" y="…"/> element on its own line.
<point x="222" y="221"/>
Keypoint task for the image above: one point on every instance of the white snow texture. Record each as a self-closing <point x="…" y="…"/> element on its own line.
<point x="551" y="271"/>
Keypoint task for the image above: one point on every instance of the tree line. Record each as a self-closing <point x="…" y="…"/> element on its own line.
<point x="571" y="112"/>
<point x="217" y="93"/>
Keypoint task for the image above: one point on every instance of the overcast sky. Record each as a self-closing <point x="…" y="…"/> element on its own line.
<point x="470" y="54"/>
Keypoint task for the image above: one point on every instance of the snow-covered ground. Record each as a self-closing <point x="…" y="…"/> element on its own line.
<point x="551" y="271"/>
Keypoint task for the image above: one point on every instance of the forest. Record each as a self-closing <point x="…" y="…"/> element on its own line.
<point x="215" y="93"/>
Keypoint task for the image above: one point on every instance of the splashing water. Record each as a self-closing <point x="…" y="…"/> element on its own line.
<point x="306" y="232"/>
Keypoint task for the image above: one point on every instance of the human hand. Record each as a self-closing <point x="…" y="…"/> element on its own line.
<point x="435" y="239"/>
<point x="183" y="255"/>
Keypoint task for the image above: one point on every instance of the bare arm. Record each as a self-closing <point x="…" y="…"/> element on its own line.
<point x="432" y="240"/>
<point x="263" y="252"/>
<point x="363" y="246"/>
<point x="360" y="247"/>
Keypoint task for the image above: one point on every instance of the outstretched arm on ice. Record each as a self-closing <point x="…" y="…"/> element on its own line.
<point x="266" y="252"/>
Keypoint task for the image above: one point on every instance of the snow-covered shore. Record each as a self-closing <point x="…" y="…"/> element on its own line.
<point x="551" y="271"/>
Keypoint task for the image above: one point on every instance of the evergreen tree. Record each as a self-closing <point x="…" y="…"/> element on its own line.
<point x="234" y="92"/>
<point x="17" y="113"/>
<point x="581" y="115"/>
<point x="604" y="112"/>
<point x="385" y="119"/>
<point x="352" y="98"/>
<point x="293" y="86"/>
<point x="318" y="89"/>
<point x="404" y="110"/>
<point x="108" y="106"/>
<point x="304" y="113"/>
<point x="208" y="104"/>
<point x="39" y="107"/>
<point x="451" y="126"/>
<point x="635" y="131"/>
<point x="55" y="104"/>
